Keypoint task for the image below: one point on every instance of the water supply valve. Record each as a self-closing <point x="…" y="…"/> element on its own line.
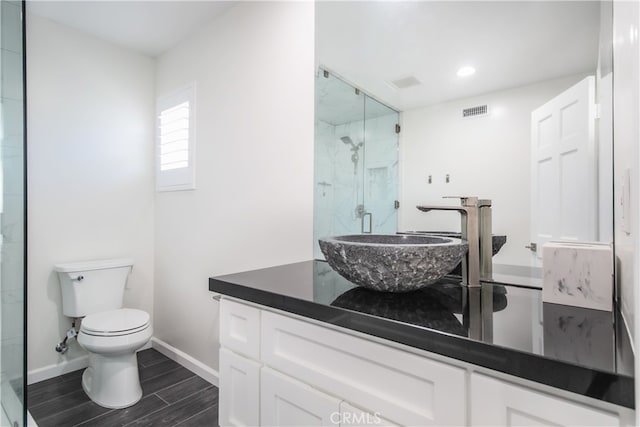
<point x="71" y="333"/>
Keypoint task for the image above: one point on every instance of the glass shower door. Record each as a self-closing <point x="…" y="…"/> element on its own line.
<point x="338" y="159"/>
<point x="356" y="162"/>
<point x="381" y="166"/>
<point x="12" y="216"/>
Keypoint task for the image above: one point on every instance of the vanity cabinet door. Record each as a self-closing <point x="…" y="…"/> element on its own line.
<point x="495" y="402"/>
<point x="239" y="403"/>
<point x="350" y="416"/>
<point x="288" y="402"/>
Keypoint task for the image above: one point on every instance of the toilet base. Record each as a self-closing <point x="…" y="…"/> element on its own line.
<point x="112" y="381"/>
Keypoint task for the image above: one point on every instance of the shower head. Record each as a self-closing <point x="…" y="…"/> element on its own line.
<point x="354" y="151"/>
<point x="347" y="141"/>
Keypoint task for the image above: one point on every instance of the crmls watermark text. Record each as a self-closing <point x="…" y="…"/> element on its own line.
<point x="356" y="418"/>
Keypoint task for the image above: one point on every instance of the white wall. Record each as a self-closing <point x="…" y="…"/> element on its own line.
<point x="252" y="206"/>
<point x="487" y="157"/>
<point x="90" y="177"/>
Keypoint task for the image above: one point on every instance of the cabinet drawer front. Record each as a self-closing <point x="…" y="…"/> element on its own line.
<point x="402" y="387"/>
<point x="287" y="402"/>
<point x="495" y="402"/>
<point x="239" y="390"/>
<point x="240" y="328"/>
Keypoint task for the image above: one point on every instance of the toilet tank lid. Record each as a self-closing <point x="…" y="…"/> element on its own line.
<point x="101" y="264"/>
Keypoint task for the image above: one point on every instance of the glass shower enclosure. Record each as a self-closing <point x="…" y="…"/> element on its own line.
<point x="12" y="215"/>
<point x="355" y="162"/>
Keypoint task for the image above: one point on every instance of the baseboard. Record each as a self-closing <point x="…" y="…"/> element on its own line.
<point x="146" y="346"/>
<point x="50" y="371"/>
<point x="189" y="362"/>
<point x="194" y="365"/>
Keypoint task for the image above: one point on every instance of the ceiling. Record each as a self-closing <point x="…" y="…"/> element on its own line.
<point x="510" y="43"/>
<point x="370" y="43"/>
<point x="149" y="27"/>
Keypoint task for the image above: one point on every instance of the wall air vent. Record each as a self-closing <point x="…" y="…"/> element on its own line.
<point x="480" y="110"/>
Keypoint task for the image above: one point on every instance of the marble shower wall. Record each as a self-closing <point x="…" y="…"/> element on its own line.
<point x="342" y="186"/>
<point x="381" y="172"/>
<point x="323" y="183"/>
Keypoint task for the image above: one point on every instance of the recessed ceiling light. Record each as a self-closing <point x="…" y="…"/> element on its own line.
<point x="466" y="71"/>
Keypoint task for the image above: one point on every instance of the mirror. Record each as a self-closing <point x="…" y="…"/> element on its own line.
<point x="509" y="101"/>
<point x="356" y="161"/>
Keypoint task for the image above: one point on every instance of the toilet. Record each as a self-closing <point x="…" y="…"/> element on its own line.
<point x="94" y="290"/>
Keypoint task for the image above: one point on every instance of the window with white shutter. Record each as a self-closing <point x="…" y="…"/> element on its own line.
<point x="175" y="146"/>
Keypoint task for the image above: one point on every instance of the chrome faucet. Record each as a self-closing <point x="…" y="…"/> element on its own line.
<point x="476" y="230"/>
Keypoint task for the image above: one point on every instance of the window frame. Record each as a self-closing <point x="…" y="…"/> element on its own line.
<point x="181" y="178"/>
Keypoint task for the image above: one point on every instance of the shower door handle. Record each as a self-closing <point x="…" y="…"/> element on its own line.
<point x="362" y="219"/>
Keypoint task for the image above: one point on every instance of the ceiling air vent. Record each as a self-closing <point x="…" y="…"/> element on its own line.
<point x="405" y="82"/>
<point x="480" y="110"/>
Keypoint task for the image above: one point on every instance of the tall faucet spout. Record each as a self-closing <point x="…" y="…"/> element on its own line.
<point x="425" y="208"/>
<point x="470" y="209"/>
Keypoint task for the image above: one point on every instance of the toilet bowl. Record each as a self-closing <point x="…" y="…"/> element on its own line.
<point x="112" y="339"/>
<point x="94" y="291"/>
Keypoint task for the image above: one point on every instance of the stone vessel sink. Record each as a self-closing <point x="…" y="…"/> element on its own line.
<point x="392" y="262"/>
<point x="497" y="241"/>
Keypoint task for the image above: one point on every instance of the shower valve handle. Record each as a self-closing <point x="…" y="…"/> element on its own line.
<point x="364" y="215"/>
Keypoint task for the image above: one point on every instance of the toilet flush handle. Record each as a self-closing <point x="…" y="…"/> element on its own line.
<point x="78" y="278"/>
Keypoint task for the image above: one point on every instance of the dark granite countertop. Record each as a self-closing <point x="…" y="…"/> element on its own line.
<point x="501" y="327"/>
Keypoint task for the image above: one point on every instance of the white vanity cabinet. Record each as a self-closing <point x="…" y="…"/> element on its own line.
<point x="279" y="369"/>
<point x="498" y="403"/>
<point x="240" y="328"/>
<point x="350" y="416"/>
<point x="403" y="387"/>
<point x="285" y="401"/>
<point x="239" y="403"/>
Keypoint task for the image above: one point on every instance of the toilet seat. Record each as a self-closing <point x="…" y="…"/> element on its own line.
<point x="123" y="321"/>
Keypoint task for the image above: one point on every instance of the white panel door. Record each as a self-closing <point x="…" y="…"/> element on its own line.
<point x="498" y="403"/>
<point x="239" y="403"/>
<point x="564" y="168"/>
<point x="288" y="402"/>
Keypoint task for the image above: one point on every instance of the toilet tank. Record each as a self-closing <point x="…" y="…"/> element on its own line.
<point x="92" y="286"/>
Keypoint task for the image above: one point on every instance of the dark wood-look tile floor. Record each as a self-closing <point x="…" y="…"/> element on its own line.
<point x="172" y="396"/>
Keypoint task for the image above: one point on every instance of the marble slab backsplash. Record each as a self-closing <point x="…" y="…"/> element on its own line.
<point x="578" y="274"/>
